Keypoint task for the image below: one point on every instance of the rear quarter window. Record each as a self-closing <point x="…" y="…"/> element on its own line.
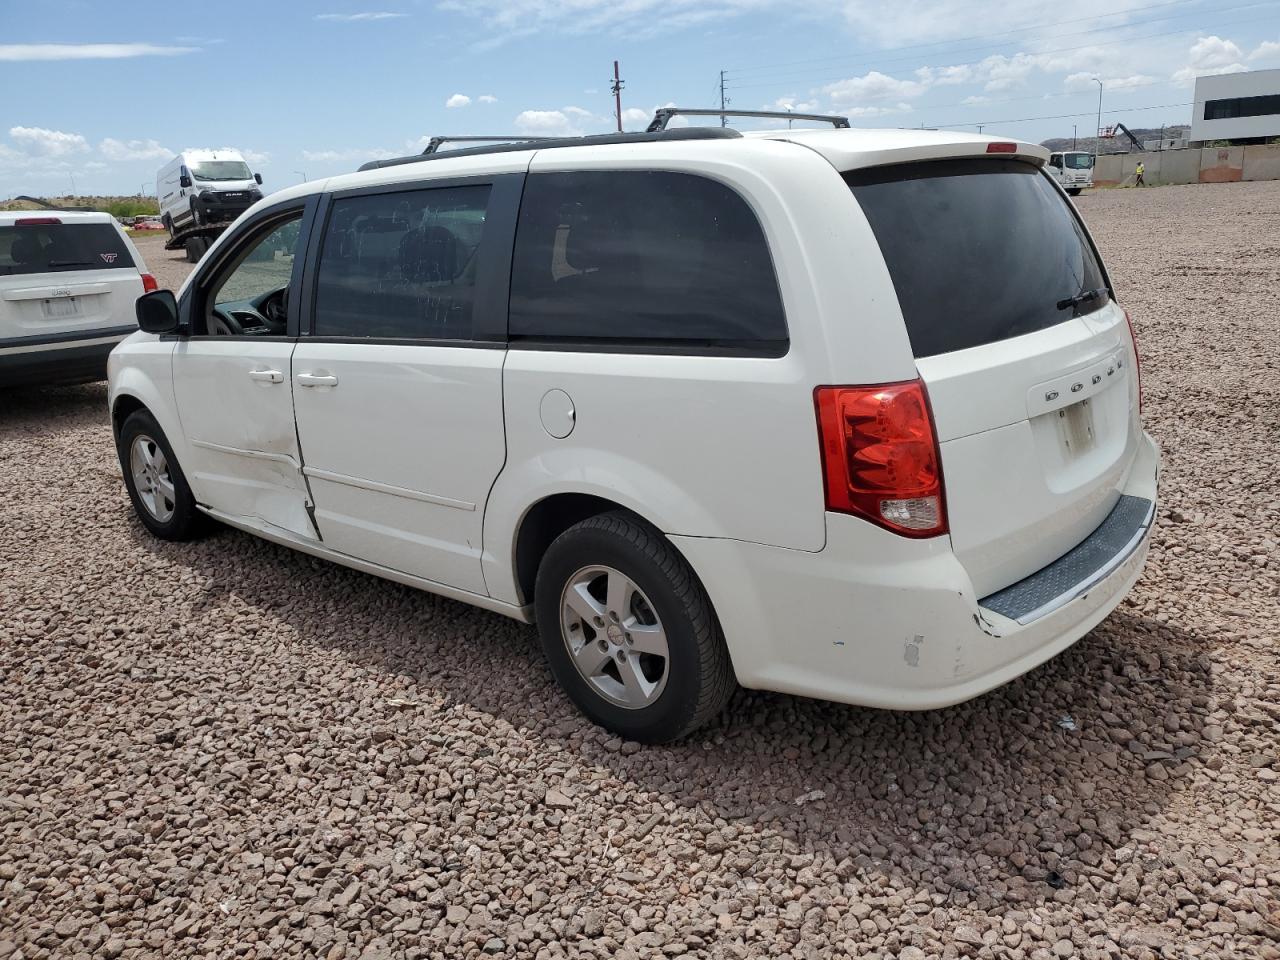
<point x="979" y="250"/>
<point x="61" y="248"/>
<point x="649" y="259"/>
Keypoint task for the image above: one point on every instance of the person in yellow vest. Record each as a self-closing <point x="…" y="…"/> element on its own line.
<point x="1142" y="169"/>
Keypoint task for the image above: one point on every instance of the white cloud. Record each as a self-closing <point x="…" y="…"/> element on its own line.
<point x="1209" y="56"/>
<point x="975" y="101"/>
<point x="1082" y="82"/>
<point x="873" y="86"/>
<point x="551" y="123"/>
<point x="633" y="118"/>
<point x="877" y="111"/>
<point x="351" y="155"/>
<point x="354" y="17"/>
<point x="114" y="149"/>
<point x="945" y="76"/>
<point x="1265" y="50"/>
<point x="40" y="142"/>
<point x="792" y="102"/>
<point x="88" y="51"/>
<point x="458" y="100"/>
<point x="487" y="98"/>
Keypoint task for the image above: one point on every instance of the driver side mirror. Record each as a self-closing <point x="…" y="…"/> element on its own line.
<point x="157" y="312"/>
<point x="257" y="177"/>
<point x="184" y="181"/>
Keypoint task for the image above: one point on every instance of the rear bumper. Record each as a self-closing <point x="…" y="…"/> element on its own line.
<point x="884" y="621"/>
<point x="64" y="361"/>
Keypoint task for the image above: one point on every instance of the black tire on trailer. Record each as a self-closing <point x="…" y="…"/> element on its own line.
<point x="629" y="631"/>
<point x="1074" y="191"/>
<point x="195" y="215"/>
<point x="167" y="222"/>
<point x="196" y="246"/>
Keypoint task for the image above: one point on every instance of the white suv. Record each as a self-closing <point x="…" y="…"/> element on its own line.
<point x="849" y="414"/>
<point x="68" y="282"/>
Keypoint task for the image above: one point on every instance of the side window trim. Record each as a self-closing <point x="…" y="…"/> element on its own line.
<point x="493" y="285"/>
<point x="193" y="298"/>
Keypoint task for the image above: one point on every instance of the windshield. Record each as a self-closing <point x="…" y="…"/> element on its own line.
<point x="221" y="170"/>
<point x="1078" y="161"/>
<point x="58" y="247"/>
<point x="979" y="250"/>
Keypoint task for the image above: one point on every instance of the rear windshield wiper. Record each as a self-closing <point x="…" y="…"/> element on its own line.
<point x="1083" y="297"/>
<point x="71" y="263"/>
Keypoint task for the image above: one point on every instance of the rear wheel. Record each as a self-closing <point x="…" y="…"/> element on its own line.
<point x="196" y="247"/>
<point x="629" y="632"/>
<point x="167" y="222"/>
<point x="157" y="487"/>
<point x="1074" y="191"/>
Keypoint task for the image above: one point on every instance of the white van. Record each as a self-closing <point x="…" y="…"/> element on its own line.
<point x="852" y="414"/>
<point x="200" y="187"/>
<point x="1073" y="169"/>
<point x="68" y="282"/>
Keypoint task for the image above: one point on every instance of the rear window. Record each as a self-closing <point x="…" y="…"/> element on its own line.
<point x="979" y="250"/>
<point x="60" y="248"/>
<point x="649" y="259"/>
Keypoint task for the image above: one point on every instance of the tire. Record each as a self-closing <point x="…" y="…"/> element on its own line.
<point x="195" y="215"/>
<point x="669" y="696"/>
<point x="1074" y="191"/>
<point x="167" y="222"/>
<point x="176" y="517"/>
<point x="196" y="247"/>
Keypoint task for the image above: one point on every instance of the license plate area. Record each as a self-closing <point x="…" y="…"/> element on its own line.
<point x="1075" y="427"/>
<point x="59" y="308"/>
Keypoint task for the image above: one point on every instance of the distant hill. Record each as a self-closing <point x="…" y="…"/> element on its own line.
<point x="116" y="206"/>
<point x="1121" y="143"/>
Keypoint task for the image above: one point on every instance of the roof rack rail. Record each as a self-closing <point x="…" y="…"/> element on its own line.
<point x="663" y="116"/>
<point x="603" y="139"/>
<point x="434" y="144"/>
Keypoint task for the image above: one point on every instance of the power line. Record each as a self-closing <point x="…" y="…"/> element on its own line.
<point x="986" y="36"/>
<point x="1040" y="53"/>
<point x="1061" y="116"/>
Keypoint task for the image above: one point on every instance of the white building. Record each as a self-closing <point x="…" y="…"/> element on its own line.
<point x="1237" y="106"/>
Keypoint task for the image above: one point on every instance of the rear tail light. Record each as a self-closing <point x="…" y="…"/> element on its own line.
<point x="149" y="283"/>
<point x="35" y="221"/>
<point x="1137" y="360"/>
<point x="1002" y="148"/>
<point x="880" y="457"/>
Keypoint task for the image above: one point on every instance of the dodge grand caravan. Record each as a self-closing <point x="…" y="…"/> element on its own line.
<point x="848" y="414"/>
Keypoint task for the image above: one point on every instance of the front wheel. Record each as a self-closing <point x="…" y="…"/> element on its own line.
<point x="629" y="632"/>
<point x="1074" y="191"/>
<point x="157" y="487"/>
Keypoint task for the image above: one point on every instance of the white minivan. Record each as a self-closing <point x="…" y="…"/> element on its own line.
<point x="68" y="282"/>
<point x="1073" y="169"/>
<point x="201" y="187"/>
<point x="850" y="414"/>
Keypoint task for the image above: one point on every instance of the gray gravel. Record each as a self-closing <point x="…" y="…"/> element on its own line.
<point x="229" y="749"/>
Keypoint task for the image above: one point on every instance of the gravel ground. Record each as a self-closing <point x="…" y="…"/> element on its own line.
<point x="230" y="749"/>
<point x="170" y="267"/>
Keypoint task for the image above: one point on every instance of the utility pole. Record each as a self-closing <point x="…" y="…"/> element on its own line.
<point x="1097" y="140"/>
<point x="724" y="102"/>
<point x="302" y="174"/>
<point x="1073" y="136"/>
<point x="617" y="94"/>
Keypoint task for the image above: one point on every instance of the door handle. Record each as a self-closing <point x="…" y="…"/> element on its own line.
<point x="316" y="380"/>
<point x="267" y="376"/>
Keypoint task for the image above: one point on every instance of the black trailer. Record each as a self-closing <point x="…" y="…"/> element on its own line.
<point x="195" y="239"/>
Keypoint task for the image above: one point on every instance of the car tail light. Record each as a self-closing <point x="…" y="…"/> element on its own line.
<point x="880" y="456"/>
<point x="149" y="283"/>
<point x="1137" y="359"/>
<point x="35" y="221"/>
<point x="1002" y="148"/>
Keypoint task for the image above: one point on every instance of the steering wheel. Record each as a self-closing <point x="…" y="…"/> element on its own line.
<point x="231" y="326"/>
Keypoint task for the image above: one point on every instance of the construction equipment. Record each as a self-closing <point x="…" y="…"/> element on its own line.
<point x="1109" y="133"/>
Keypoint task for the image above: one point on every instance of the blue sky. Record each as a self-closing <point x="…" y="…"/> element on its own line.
<point x="103" y="93"/>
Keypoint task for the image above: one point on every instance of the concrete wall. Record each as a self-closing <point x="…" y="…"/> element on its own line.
<point x="1262" y="162"/>
<point x="1221" y="164"/>
<point x="1106" y="172"/>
